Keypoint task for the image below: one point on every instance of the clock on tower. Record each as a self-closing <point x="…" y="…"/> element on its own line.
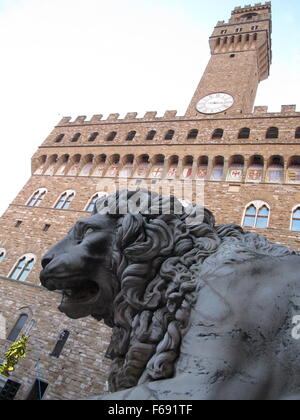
<point x="215" y="103"/>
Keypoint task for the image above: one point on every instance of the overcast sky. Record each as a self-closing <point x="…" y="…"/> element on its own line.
<point x="84" y="57"/>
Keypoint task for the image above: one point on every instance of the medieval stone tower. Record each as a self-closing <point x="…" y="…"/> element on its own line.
<point x="249" y="160"/>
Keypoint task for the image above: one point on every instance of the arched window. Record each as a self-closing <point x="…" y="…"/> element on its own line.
<point x="37" y="197"/>
<point x="2" y="254"/>
<point x="296" y="220"/>
<point x="59" y="138"/>
<point x="244" y="133"/>
<point x="111" y="136"/>
<point x="75" y="137"/>
<point x="91" y="204"/>
<point x="193" y="134"/>
<point x="262" y="219"/>
<point x="15" y="332"/>
<point x="297" y="133"/>
<point x="272" y="133"/>
<point x="257" y="215"/>
<point x="65" y="200"/>
<point x="130" y="135"/>
<point x="218" y="133"/>
<point x="250" y="215"/>
<point x="23" y="267"/>
<point x="151" y="135"/>
<point x="93" y="136"/>
<point x="169" y="135"/>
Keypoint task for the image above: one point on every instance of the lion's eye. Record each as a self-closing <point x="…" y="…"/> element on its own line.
<point x="88" y="231"/>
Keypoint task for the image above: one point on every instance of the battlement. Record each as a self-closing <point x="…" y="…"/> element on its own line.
<point x="285" y="109"/>
<point x="170" y="115"/>
<point x="248" y="8"/>
<point x="129" y="117"/>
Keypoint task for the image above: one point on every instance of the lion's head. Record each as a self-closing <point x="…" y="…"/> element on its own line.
<point x="138" y="271"/>
<point x="80" y="267"/>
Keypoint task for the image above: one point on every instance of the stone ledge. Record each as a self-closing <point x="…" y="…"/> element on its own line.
<point x="26" y="283"/>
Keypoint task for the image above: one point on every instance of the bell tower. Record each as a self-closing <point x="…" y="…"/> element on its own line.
<point x="240" y="59"/>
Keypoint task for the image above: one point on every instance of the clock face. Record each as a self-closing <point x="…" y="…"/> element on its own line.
<point x="214" y="103"/>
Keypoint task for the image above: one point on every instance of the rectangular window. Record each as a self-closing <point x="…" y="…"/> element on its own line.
<point x="38" y="390"/>
<point x="46" y="228"/>
<point x="18" y="223"/>
<point x="60" y="344"/>
<point x="9" y="391"/>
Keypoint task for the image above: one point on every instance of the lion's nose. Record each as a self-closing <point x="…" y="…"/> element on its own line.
<point x="45" y="261"/>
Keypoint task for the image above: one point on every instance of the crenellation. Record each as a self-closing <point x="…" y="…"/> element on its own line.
<point x="288" y="109"/>
<point x="150" y="115"/>
<point x="131" y="116"/>
<point x="170" y="114"/>
<point x="96" y="118"/>
<point x="250" y="8"/>
<point x="113" y="117"/>
<point x="80" y="119"/>
<point x="260" y="109"/>
<point x="167" y="116"/>
<point x="64" y="121"/>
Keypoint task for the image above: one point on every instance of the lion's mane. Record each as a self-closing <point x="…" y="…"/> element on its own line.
<point x="157" y="260"/>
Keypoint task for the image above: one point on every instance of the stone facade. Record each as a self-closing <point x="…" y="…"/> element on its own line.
<point x="243" y="156"/>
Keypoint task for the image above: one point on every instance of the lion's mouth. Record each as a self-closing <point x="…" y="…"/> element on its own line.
<point x="80" y="293"/>
<point x="74" y="290"/>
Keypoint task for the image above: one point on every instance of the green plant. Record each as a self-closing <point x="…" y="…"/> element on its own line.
<point x="12" y="355"/>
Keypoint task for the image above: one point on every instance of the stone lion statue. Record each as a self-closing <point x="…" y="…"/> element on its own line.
<point x="197" y="311"/>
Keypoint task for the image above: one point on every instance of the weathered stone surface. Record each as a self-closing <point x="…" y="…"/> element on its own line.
<point x="198" y="311"/>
